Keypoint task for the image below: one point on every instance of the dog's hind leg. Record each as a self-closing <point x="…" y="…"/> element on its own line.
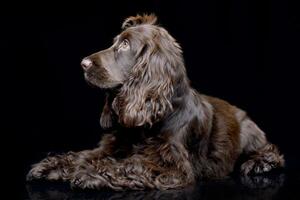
<point x="263" y="156"/>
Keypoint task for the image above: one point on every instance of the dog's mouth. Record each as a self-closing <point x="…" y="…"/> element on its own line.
<point x="98" y="82"/>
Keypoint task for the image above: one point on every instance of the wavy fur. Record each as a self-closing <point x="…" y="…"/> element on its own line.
<point x="164" y="134"/>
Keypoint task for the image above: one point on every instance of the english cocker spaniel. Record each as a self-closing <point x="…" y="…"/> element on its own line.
<point x="162" y="133"/>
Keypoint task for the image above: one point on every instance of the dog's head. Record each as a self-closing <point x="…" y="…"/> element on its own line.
<point x="145" y="62"/>
<point x="111" y="67"/>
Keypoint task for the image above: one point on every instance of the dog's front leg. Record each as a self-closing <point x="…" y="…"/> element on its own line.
<point x="53" y="167"/>
<point x="62" y="167"/>
<point x="168" y="168"/>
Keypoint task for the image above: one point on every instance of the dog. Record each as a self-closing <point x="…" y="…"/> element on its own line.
<point x="163" y="134"/>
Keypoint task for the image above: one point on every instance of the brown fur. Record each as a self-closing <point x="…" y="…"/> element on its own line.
<point x="164" y="133"/>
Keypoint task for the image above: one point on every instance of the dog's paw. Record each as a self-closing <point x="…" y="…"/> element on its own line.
<point x="37" y="172"/>
<point x="256" y="167"/>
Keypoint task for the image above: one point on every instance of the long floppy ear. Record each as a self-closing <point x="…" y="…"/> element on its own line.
<point x="139" y="19"/>
<point x="146" y="97"/>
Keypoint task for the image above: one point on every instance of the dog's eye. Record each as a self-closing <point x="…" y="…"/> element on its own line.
<point x="124" y="45"/>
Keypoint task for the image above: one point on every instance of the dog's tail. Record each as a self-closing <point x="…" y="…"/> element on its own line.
<point x="262" y="155"/>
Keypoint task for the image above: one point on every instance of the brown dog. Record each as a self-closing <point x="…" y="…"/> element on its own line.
<point x="164" y="133"/>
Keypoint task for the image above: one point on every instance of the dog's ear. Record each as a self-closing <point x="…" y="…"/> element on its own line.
<point x="147" y="95"/>
<point x="139" y="19"/>
<point x="106" y="121"/>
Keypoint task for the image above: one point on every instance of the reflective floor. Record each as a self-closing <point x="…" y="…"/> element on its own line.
<point x="280" y="185"/>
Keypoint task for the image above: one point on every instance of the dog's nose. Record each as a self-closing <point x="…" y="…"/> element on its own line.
<point x="86" y="63"/>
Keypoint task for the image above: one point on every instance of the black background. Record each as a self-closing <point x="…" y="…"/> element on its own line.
<point x="246" y="52"/>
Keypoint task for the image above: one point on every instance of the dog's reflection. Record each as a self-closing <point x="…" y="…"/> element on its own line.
<point x="262" y="187"/>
